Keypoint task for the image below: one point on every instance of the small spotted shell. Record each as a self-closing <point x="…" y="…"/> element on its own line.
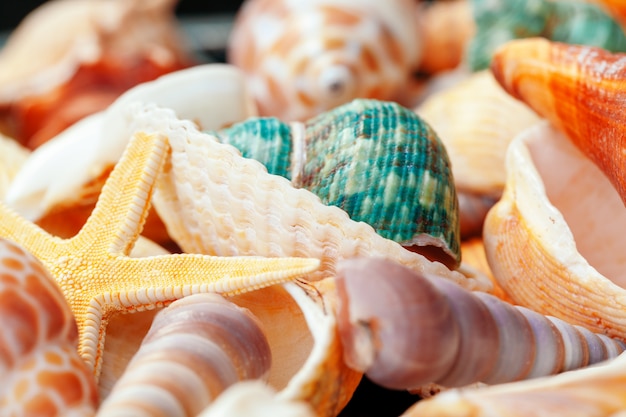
<point x="40" y="368"/>
<point x="305" y="57"/>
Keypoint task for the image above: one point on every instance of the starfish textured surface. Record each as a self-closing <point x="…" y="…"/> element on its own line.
<point x="95" y="273"/>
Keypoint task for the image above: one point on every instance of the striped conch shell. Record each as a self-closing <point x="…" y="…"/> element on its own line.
<point x="305" y="57"/>
<point x="593" y="391"/>
<point x="579" y="89"/>
<point x="215" y="201"/>
<point x="457" y="337"/>
<point x="195" y="349"/>
<point x="376" y="160"/>
<point x="41" y="372"/>
<point x="71" y="58"/>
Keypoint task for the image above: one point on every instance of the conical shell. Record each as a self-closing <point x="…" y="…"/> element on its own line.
<point x="572" y="22"/>
<point x="215" y="201"/>
<point x="69" y="59"/>
<point x="323" y="53"/>
<point x="581" y="90"/>
<point x="376" y="160"/>
<point x="553" y="240"/>
<point x="302" y="333"/>
<point x="594" y="391"/>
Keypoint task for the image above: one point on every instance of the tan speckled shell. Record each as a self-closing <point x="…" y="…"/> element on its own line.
<point x="305" y="57"/>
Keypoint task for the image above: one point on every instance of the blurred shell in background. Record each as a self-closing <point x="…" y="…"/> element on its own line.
<point x="303" y="58"/>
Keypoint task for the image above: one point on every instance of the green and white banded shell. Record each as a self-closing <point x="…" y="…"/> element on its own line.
<point x="378" y="161"/>
<point x="574" y="22"/>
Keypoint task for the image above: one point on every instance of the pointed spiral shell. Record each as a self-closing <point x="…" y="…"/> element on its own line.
<point x="41" y="372"/>
<point x="194" y="350"/>
<point x="306" y="57"/>
<point x="377" y="160"/>
<point x="407" y="330"/>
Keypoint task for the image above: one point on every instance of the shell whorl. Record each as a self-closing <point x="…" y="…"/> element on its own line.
<point x="408" y="330"/>
<point x="377" y="160"/>
<point x="195" y="349"/>
<point x="40" y="368"/>
<point x="320" y="54"/>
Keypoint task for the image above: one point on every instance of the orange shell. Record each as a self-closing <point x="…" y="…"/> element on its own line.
<point x="580" y="89"/>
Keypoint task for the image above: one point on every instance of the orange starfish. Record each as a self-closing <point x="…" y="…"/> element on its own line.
<point x="98" y="278"/>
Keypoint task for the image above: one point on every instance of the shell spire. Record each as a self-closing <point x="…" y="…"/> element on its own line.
<point x="376" y="160"/>
<point x="580" y="89"/>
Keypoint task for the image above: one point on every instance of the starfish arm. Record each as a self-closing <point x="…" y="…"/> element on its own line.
<point x="153" y="282"/>
<point x="33" y="238"/>
<point x="121" y="210"/>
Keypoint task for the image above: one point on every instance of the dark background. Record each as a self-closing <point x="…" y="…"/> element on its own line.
<point x="12" y="12"/>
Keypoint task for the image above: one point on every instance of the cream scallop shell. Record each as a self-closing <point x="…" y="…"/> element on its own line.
<point x="553" y="241"/>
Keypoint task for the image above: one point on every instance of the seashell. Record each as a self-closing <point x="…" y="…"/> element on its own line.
<point x="195" y="348"/>
<point x="594" y="391"/>
<point x="12" y="157"/>
<point x="40" y="368"/>
<point x="476" y="120"/>
<point x="84" y="61"/>
<point x="376" y="160"/>
<point x="616" y="8"/>
<point x="579" y="89"/>
<point x="458" y="337"/>
<point x="303" y="339"/>
<point x="59" y="191"/>
<point x="255" y="399"/>
<point x="214" y="201"/>
<point x="548" y="241"/>
<point x="321" y="54"/>
<point x="572" y="22"/>
<point x="446" y="28"/>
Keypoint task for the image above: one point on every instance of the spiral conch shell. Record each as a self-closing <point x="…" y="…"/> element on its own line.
<point x="548" y="240"/>
<point x="376" y="160"/>
<point x="303" y="58"/>
<point x="215" y="201"/>
<point x="40" y="368"/>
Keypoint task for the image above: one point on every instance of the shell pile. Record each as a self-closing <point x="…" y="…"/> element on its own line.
<point x="463" y="190"/>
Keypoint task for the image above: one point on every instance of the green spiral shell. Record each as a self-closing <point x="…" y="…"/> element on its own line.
<point x="574" y="22"/>
<point x="378" y="161"/>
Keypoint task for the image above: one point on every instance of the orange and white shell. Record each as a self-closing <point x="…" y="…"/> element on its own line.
<point x="41" y="372"/>
<point x="306" y="57"/>
<point x="554" y="239"/>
